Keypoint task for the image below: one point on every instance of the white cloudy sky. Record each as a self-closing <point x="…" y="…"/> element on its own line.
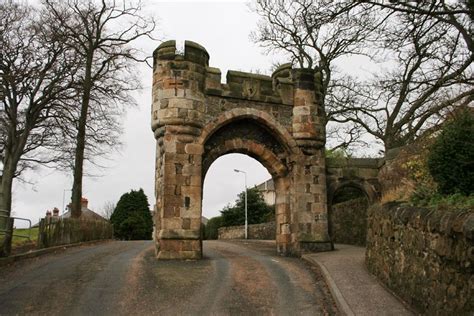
<point x="223" y="28"/>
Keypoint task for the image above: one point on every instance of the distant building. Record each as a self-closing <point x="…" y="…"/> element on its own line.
<point x="86" y="213"/>
<point x="267" y="189"/>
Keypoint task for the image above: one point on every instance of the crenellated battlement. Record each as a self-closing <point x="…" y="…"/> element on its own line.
<point x="193" y="52"/>
<point x="248" y="86"/>
<point x="185" y="89"/>
<point x="277" y="88"/>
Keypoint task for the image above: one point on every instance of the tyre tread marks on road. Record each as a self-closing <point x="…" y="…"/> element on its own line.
<point x="54" y="283"/>
<point x="253" y="289"/>
<point x="123" y="278"/>
<point x="296" y="288"/>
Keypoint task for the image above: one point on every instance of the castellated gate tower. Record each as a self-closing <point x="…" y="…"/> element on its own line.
<point x="195" y="119"/>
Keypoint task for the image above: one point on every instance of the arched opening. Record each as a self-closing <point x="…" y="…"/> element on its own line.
<point x="348" y="206"/>
<point x="222" y="204"/>
<point x="256" y="139"/>
<point x="185" y="154"/>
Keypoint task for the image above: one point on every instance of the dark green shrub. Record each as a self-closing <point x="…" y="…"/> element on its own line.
<point x="451" y="159"/>
<point x="210" y="231"/>
<point x="257" y="210"/>
<point x="132" y="218"/>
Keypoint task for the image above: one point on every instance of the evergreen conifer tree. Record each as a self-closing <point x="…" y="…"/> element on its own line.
<point x="132" y="218"/>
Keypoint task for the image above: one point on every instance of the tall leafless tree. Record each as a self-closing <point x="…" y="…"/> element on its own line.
<point x="429" y="48"/>
<point x="318" y="34"/>
<point x="423" y="50"/>
<point x="102" y="33"/>
<point x="36" y="70"/>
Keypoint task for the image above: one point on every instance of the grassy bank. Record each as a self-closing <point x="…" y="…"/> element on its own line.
<point x="18" y="241"/>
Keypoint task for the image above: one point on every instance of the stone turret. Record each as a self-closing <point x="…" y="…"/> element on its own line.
<point x="282" y="83"/>
<point x="178" y="85"/>
<point x="309" y="172"/>
<point x="177" y="118"/>
<point x="308" y="119"/>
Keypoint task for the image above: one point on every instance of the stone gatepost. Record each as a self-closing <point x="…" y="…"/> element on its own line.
<point x="177" y="111"/>
<point x="308" y="190"/>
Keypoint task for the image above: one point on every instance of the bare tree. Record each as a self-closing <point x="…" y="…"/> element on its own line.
<point x="101" y="33"/>
<point x="429" y="47"/>
<point x="36" y="70"/>
<point x="458" y="14"/>
<point x="317" y="34"/>
<point x="423" y="49"/>
<point x="108" y="209"/>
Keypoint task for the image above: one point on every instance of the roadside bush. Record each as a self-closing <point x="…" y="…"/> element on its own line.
<point x="452" y="201"/>
<point x="451" y="159"/>
<point x="212" y="226"/>
<point x="408" y="178"/>
<point x="131" y="217"/>
<point x="258" y="210"/>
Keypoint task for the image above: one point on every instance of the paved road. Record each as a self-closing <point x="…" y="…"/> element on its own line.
<point x="123" y="278"/>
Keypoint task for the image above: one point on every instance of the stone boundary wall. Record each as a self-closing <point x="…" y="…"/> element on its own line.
<point x="264" y="231"/>
<point x="56" y="232"/>
<point x="348" y="222"/>
<point x="426" y="257"/>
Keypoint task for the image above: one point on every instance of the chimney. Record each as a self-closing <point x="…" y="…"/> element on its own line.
<point x="84" y="203"/>
<point x="55" y="212"/>
<point x="48" y="214"/>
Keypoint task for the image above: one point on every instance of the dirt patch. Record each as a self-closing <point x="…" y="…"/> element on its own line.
<point x="252" y="283"/>
<point x="134" y="282"/>
<point x="164" y="287"/>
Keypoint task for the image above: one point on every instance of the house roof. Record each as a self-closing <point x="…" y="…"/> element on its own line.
<point x="85" y="213"/>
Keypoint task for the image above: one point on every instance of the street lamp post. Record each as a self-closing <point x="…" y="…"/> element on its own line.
<point x="246" y="221"/>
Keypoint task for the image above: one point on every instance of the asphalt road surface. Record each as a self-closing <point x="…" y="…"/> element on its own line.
<point x="124" y="278"/>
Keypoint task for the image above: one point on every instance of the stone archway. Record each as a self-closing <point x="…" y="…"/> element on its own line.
<point x="196" y="119"/>
<point x="363" y="186"/>
<point x="347" y="213"/>
<point x="348" y="219"/>
<point x="252" y="137"/>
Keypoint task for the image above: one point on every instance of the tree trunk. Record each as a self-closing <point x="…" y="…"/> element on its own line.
<point x="6" y="190"/>
<point x="6" y="204"/>
<point x="6" y="247"/>
<point x="81" y="140"/>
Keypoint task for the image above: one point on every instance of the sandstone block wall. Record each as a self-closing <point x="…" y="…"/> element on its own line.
<point x="264" y="231"/>
<point x="348" y="222"/>
<point x="278" y="120"/>
<point x="424" y="256"/>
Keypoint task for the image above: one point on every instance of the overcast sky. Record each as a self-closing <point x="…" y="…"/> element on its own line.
<point x="223" y="28"/>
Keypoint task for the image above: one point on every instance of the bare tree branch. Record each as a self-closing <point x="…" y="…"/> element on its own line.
<point x="424" y="51"/>
<point x="107" y="76"/>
